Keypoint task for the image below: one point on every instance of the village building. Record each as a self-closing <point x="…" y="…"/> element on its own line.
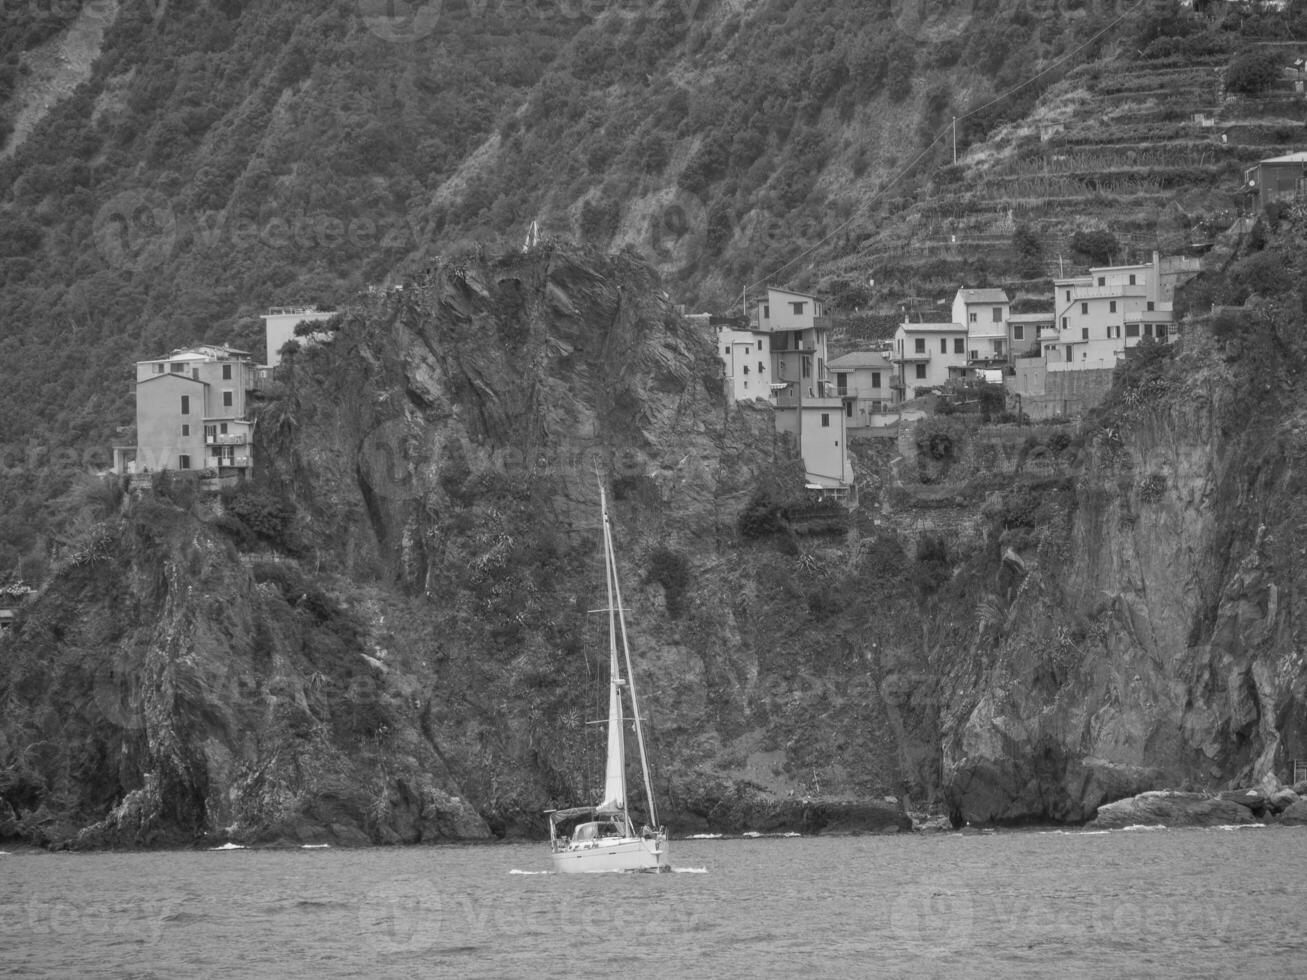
<point x="1278" y="179"/>
<point x="1113" y="308"/>
<point x="192" y="413"/>
<point x="279" y="325"/>
<point x="807" y="406"/>
<point x="926" y="356"/>
<point x="12" y="598"/>
<point x="984" y="312"/>
<point x="746" y="358"/>
<point x="862" y="380"/>
<point x="1027" y="333"/>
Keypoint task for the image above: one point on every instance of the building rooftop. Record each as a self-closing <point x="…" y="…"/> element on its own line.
<point x="859" y="358"/>
<point x="1032" y="317"/>
<point x="204" y="352"/>
<point x="983" y="295"/>
<point x="1300" y="157"/>
<point x="913" y="327"/>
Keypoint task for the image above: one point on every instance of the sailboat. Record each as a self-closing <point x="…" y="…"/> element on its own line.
<point x="604" y="837"/>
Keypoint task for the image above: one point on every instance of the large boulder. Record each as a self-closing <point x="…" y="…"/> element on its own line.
<point x="1296" y="813"/>
<point x="1163" y="808"/>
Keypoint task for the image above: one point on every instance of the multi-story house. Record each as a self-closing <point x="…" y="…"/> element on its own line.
<point x="279" y="325"/>
<point x="796" y="330"/>
<point x="984" y="312"/>
<point x="1104" y="313"/>
<point x="1027" y="332"/>
<point x="746" y="358"/>
<point x="862" y="379"/>
<point x="927" y="355"/>
<point x="192" y="413"/>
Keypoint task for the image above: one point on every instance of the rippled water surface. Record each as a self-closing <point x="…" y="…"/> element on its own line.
<point x="1193" y="903"/>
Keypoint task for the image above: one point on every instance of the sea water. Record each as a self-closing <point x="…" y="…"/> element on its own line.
<point x="1152" y="903"/>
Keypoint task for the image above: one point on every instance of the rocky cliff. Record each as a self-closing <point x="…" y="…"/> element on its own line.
<point x="390" y="636"/>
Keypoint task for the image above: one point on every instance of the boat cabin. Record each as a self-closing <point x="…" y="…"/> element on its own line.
<point x="594" y="831"/>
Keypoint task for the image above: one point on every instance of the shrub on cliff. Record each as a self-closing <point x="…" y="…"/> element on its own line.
<point x="1253" y="72"/>
<point x="671" y="570"/>
<point x="265" y="515"/>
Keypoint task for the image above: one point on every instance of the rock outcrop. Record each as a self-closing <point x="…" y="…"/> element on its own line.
<point x="1166" y="809"/>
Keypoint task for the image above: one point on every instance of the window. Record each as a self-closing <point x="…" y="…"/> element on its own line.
<point x="998" y="348"/>
<point x="1132" y="279"/>
<point x="1148" y="329"/>
<point x="1102" y="281"/>
<point x="943" y="345"/>
<point x="1084" y="309"/>
<point x="971" y="318"/>
<point x="222" y="428"/>
<point x="998" y="314"/>
<point x="920" y="345"/>
<point x="842" y="380"/>
<point x="1161" y="331"/>
<point x="848" y="410"/>
<point x="228" y="398"/>
<point x="875" y="379"/>
<point x="797" y="308"/>
<point x="186" y="429"/>
<point x="1018" y="332"/>
<point x="959" y="345"/>
<point x="807" y="367"/>
<point x="1063" y="323"/>
<point x="1111" y="306"/>
<point x="766" y="312"/>
<point x="726" y="350"/>
<point x="1084" y="333"/>
<point x="921" y="371"/>
<point x="186" y="404"/>
<point x="226" y="372"/>
<point x="747" y="350"/>
<point x="975" y="355"/>
<point x="745" y="369"/>
<point x="1068" y="353"/>
<point x="761" y="368"/>
<point x="158" y="369"/>
<point x="176" y="367"/>
<point x="825" y="420"/>
<point x="1150" y="306"/>
<point x="1132" y="330"/>
<point x="183" y="462"/>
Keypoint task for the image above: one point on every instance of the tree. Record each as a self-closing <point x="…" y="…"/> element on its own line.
<point x="1253" y="72"/>
<point x="1030" y="251"/>
<point x="1096" y="246"/>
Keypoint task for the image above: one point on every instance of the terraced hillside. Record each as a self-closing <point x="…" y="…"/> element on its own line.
<point x="1152" y="151"/>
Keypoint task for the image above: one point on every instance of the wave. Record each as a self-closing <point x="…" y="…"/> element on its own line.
<point x="1146" y="826"/>
<point x="309" y="847"/>
<point x="703" y="837"/>
<point x="690" y="871"/>
<point x="1239" y="826"/>
<point x="229" y="846"/>
<point x="519" y="871"/>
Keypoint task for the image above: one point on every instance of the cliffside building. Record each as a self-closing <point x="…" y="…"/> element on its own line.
<point x="1104" y="313"/>
<point x="927" y="355"/>
<point x="745" y="355"/>
<point x="984" y="312"/>
<point x="192" y="413"/>
<point x="862" y="380"/>
<point x="807" y="406"/>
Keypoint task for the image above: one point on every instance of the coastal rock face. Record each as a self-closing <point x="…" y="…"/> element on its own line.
<point x="1166" y="809"/>
<point x="1152" y="639"/>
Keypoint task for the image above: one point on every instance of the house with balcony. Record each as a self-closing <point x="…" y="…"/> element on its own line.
<point x="192" y="413"/>
<point x="1027" y="333"/>
<point x="279" y="325"/>
<point x="807" y="406"/>
<point x="862" y="380"/>
<point x="984" y="312"/>
<point x="1104" y="313"/>
<point x="926" y="355"/>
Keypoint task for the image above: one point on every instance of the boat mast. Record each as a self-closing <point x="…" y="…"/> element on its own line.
<point x="611" y="560"/>
<point x="615" y="771"/>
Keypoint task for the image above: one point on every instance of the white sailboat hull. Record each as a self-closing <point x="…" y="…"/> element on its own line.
<point x="624" y="854"/>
